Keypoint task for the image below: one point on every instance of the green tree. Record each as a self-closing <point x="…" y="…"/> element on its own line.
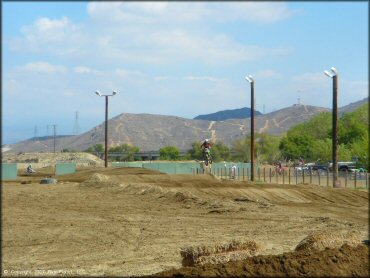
<point x="128" y="152"/>
<point x="98" y="148"/>
<point x="240" y="150"/>
<point x="313" y="139"/>
<point x="267" y="147"/>
<point x="195" y="152"/>
<point x="318" y="127"/>
<point x="220" y="152"/>
<point x="169" y="153"/>
<point x="353" y="127"/>
<point x="322" y="150"/>
<point x="296" y="146"/>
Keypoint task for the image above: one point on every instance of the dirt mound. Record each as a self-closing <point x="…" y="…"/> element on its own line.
<point x="323" y="240"/>
<point x="345" y="262"/>
<point x="219" y="253"/>
<point x="48" y="159"/>
<point x="159" y="192"/>
<point x="97" y="180"/>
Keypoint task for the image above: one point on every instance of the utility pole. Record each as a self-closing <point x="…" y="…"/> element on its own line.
<point x="76" y="128"/>
<point x="106" y="133"/>
<point x="250" y="79"/>
<point x="54" y="136"/>
<point x="106" y="124"/>
<point x="335" y="130"/>
<point x="334" y="76"/>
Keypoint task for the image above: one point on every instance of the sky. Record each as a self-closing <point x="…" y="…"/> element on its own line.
<point x="173" y="58"/>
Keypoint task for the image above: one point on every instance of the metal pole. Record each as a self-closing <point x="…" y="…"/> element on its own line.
<point x="335" y="129"/>
<point x="106" y="131"/>
<point x="54" y="137"/>
<point x="252" y="131"/>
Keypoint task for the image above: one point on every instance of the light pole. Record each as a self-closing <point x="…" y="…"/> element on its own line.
<point x="250" y="79"/>
<point x="334" y="75"/>
<point x="106" y="124"/>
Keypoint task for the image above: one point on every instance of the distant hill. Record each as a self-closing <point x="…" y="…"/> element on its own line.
<point x="241" y="113"/>
<point x="152" y="132"/>
<point x="353" y="106"/>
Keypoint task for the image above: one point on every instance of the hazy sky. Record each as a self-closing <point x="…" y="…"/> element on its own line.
<point x="182" y="58"/>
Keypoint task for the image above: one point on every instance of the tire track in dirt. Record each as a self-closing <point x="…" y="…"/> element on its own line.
<point x="134" y="221"/>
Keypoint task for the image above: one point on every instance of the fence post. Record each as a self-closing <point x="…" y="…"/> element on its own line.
<point x="289" y="175"/>
<point x="345" y="180"/>
<point x="327" y="177"/>
<point x="277" y="176"/>
<point x="303" y="170"/>
<point x="283" y="176"/>
<point x="264" y="174"/>
<point x="355" y="180"/>
<point x="296" y="176"/>
<point x="270" y="175"/>
<point x="243" y="172"/>
<point x="319" y="174"/>
<point x="310" y="176"/>
<point x="259" y="174"/>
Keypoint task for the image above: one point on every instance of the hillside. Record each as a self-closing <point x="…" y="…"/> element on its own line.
<point x="353" y="106"/>
<point x="241" y="113"/>
<point x="152" y="132"/>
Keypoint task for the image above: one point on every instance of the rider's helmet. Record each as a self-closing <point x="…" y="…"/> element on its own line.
<point x="206" y="140"/>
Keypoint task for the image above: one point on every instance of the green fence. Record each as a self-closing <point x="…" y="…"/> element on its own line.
<point x="128" y="164"/>
<point x="174" y="168"/>
<point x="65" y="168"/>
<point x="9" y="171"/>
<point x="187" y="167"/>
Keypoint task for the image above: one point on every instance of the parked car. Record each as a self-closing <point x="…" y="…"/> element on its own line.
<point x="320" y="169"/>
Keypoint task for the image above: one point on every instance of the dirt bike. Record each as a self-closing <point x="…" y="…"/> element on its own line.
<point x="278" y="170"/>
<point x="207" y="157"/>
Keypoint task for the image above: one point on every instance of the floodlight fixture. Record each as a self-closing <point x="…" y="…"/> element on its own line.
<point x="114" y="93"/>
<point x="334" y="70"/>
<point x="98" y="93"/>
<point x="249" y="78"/>
<point x="328" y="74"/>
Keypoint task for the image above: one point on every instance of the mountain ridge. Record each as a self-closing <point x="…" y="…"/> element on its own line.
<point x="239" y="113"/>
<point x="152" y="132"/>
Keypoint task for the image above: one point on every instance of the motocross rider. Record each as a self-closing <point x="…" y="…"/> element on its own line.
<point x="206" y="147"/>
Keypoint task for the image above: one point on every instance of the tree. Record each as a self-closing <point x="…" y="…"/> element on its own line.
<point x="240" y="150"/>
<point x="268" y="148"/>
<point x="195" y="152"/>
<point x="128" y="152"/>
<point x="313" y="139"/>
<point x="98" y="148"/>
<point x="296" y="146"/>
<point x="169" y="153"/>
<point x="220" y="152"/>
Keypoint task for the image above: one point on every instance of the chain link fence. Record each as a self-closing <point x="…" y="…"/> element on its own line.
<point x="294" y="175"/>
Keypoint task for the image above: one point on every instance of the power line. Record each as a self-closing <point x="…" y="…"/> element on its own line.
<point x="76" y="127"/>
<point x="55" y="133"/>
<point x="35" y="135"/>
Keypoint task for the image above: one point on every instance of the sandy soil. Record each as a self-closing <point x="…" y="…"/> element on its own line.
<point x="133" y="222"/>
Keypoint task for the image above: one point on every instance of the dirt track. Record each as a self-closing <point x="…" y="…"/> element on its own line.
<point x="129" y="222"/>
